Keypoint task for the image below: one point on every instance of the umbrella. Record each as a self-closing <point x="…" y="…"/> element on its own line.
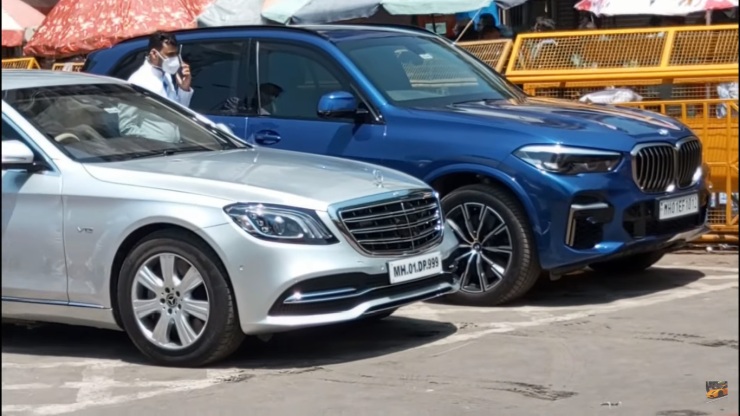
<point x="75" y="27"/>
<point x="325" y="11"/>
<point x="17" y="16"/>
<point x="653" y="7"/>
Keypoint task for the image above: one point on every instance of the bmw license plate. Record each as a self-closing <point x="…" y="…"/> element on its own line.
<point x="680" y="206"/>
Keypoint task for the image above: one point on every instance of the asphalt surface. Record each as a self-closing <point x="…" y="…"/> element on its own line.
<point x="583" y="345"/>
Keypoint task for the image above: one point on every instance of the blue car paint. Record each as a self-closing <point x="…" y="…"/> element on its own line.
<point x="475" y="139"/>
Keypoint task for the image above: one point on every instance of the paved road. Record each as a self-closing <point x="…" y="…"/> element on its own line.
<point x="645" y="343"/>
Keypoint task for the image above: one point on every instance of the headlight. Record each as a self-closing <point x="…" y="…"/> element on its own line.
<point x="568" y="160"/>
<point x="280" y="223"/>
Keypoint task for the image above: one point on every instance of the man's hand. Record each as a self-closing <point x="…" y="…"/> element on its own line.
<point x="184" y="79"/>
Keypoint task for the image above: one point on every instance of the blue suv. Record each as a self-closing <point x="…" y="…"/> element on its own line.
<point x="529" y="185"/>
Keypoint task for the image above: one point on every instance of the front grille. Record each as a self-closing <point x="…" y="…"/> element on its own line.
<point x="399" y="226"/>
<point x="657" y="167"/>
<point x="689" y="159"/>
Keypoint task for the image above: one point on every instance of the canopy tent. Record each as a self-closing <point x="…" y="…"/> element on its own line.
<point x="75" y="27"/>
<point x="17" y="17"/>
<point x="652" y="7"/>
<point x="325" y="11"/>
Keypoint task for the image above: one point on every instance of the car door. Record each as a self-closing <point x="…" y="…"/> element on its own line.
<point x="302" y="75"/>
<point x="218" y="68"/>
<point x="33" y="261"/>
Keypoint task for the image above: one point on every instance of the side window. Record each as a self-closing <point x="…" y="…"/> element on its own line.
<point x="293" y="79"/>
<point x="220" y="75"/>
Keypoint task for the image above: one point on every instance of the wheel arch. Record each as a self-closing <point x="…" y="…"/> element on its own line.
<point x="449" y="178"/>
<point x="139" y="234"/>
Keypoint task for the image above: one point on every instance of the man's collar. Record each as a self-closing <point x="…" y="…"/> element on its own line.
<point x="156" y="71"/>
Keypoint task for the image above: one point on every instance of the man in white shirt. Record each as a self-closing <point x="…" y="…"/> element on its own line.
<point x="155" y="74"/>
<point x="162" y="62"/>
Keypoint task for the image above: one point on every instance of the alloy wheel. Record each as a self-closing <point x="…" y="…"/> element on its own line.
<point x="485" y="252"/>
<point x="170" y="301"/>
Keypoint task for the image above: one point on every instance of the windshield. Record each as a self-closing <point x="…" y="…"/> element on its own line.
<point x="418" y="71"/>
<point x="114" y="122"/>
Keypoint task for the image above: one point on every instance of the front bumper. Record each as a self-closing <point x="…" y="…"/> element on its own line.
<point x="281" y="287"/>
<point x="596" y="217"/>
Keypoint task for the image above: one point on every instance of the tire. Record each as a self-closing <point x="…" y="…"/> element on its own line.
<point x="507" y="257"/>
<point x="629" y="264"/>
<point x="213" y="334"/>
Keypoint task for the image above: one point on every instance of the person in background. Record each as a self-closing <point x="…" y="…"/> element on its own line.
<point x="470" y="33"/>
<point x="161" y="64"/>
<point x="544" y="24"/>
<point x="487" y="29"/>
<point x="268" y="93"/>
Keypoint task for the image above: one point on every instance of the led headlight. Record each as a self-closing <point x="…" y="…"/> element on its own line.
<point x="568" y="160"/>
<point x="280" y="223"/>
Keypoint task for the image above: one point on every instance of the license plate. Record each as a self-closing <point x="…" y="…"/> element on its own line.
<point x="412" y="268"/>
<point x="678" y="207"/>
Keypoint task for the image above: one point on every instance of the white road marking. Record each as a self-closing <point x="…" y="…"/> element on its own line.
<point x="697" y="267"/>
<point x="58" y="364"/>
<point x="98" y="386"/>
<point x="423" y="310"/>
<point x="692" y="289"/>
<point x="29" y="386"/>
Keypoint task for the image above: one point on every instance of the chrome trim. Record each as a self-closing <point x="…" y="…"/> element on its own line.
<point x="570" y="235"/>
<point x="662" y="177"/>
<point x="340" y="294"/>
<point x="61" y="312"/>
<point x="374" y="305"/>
<point x="385" y="198"/>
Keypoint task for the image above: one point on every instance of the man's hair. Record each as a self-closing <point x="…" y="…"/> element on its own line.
<point x="159" y="38"/>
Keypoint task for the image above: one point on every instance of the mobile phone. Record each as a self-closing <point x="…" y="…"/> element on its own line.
<point x="179" y="58"/>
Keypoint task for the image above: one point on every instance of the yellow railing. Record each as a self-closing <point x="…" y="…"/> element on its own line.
<point x="715" y="122"/>
<point x="20" y="63"/>
<point x="691" y="51"/>
<point x="68" y="66"/>
<point x="495" y="53"/>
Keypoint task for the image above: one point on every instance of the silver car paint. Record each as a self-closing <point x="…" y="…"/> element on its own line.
<point x="75" y="218"/>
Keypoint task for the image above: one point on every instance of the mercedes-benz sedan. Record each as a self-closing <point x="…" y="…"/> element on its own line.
<point x="124" y="210"/>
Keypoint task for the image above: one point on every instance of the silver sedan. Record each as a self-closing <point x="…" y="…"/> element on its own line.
<point x="123" y="210"/>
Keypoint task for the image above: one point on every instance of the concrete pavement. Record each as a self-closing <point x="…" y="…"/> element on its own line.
<point x="583" y="345"/>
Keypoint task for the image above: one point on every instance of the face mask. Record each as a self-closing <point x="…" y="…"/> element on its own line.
<point x="170" y="65"/>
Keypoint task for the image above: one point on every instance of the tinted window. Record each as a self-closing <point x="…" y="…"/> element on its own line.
<point x="220" y="75"/>
<point x="293" y="79"/>
<point x="416" y="70"/>
<point x="108" y="122"/>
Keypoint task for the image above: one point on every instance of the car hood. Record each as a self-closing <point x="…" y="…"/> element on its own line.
<point x="573" y="121"/>
<point x="258" y="175"/>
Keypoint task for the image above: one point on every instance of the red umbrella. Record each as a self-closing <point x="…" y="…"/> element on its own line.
<point x="17" y="17"/>
<point x="76" y="27"/>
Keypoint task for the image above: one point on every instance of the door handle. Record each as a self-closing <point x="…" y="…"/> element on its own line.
<point x="266" y="137"/>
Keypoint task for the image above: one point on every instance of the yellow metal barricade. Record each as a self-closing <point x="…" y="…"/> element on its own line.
<point x="68" y="66"/>
<point x="597" y="55"/>
<point x="715" y="122"/>
<point x="20" y="63"/>
<point x="495" y="53"/>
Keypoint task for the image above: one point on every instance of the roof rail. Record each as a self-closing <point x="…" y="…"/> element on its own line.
<point x="225" y="28"/>
<point x="410" y="28"/>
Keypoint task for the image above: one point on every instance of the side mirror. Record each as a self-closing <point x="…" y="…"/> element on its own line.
<point x="18" y="156"/>
<point x="337" y="104"/>
<point x="224" y="128"/>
